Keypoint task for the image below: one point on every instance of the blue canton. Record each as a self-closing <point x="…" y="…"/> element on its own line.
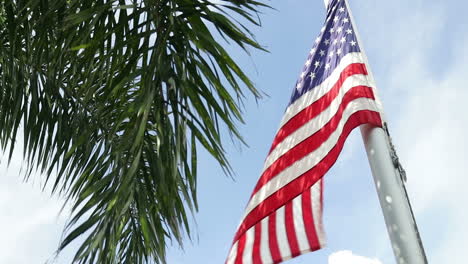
<point x="336" y="39"/>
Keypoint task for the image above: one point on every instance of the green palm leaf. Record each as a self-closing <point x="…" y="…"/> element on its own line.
<point x="112" y="98"/>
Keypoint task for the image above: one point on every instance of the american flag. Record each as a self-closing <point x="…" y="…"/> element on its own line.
<point x="333" y="95"/>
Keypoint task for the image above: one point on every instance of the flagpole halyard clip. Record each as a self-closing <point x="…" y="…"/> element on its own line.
<point x="394" y="156"/>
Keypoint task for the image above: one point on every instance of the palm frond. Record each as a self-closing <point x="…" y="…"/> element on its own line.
<point x="113" y="97"/>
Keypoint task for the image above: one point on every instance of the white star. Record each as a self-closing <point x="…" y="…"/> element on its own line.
<point x="312" y="51"/>
<point x="335" y="19"/>
<point x="345" y="20"/>
<point x="327" y="66"/>
<point x="299" y="86"/>
<point x="327" y="41"/>
<point x="331" y="30"/>
<point x="302" y="75"/>
<point x="312" y="75"/>
<point x="331" y="54"/>
<point x="349" y="31"/>
<point x="353" y="43"/>
<point x="322" y="52"/>
<point x="341" y="9"/>
<point x="308" y="62"/>
<point x="317" y="40"/>
<point x="339" y="29"/>
<point x="317" y="64"/>
<point x="335" y="42"/>
<point x="338" y="52"/>
<point x="343" y="40"/>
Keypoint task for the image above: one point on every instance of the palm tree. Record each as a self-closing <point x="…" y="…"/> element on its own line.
<point x="113" y="98"/>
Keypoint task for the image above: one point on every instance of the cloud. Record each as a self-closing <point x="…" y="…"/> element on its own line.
<point x="422" y="80"/>
<point x="435" y="149"/>
<point x="347" y="257"/>
<point x="30" y="223"/>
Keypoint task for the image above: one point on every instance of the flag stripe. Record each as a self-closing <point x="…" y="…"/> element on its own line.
<point x="315" y="123"/>
<point x="290" y="229"/>
<point x="309" y="220"/>
<point x="291" y="186"/>
<point x="273" y="239"/>
<point x="314" y="141"/>
<point x="316" y="107"/>
<point x="256" y="254"/>
<point x="299" y="224"/>
<point x="321" y="195"/>
<point x="248" y="247"/>
<point x="240" y="250"/>
<point x="311" y="159"/>
<point x="232" y="254"/>
<point x="283" y="245"/>
<point x="320" y="90"/>
<point x="316" y="197"/>
<point x="265" y="242"/>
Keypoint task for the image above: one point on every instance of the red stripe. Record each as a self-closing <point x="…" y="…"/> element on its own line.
<point x="321" y="196"/>
<point x="291" y="230"/>
<point x="306" y="180"/>
<point x="318" y="106"/>
<point x="272" y="239"/>
<point x="314" y="141"/>
<point x="308" y="218"/>
<point x="240" y="249"/>
<point x="256" y="257"/>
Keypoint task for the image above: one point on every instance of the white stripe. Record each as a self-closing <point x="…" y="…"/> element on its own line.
<point x="265" y="253"/>
<point x="366" y="61"/>
<point x="281" y="235"/>
<point x="310" y="160"/>
<point x="232" y="254"/>
<point x="323" y="88"/>
<point x="316" y="123"/>
<point x="299" y="227"/>
<point x="316" y="195"/>
<point x="248" y="249"/>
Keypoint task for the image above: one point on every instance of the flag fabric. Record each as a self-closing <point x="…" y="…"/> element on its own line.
<point x="333" y="95"/>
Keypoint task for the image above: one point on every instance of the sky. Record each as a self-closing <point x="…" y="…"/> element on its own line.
<point x="417" y="53"/>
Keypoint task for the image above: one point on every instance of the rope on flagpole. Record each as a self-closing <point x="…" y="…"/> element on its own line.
<point x="394" y="156"/>
<point x="402" y="173"/>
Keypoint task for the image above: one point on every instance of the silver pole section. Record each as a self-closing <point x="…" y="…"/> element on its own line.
<point x="396" y="208"/>
<point x="389" y="179"/>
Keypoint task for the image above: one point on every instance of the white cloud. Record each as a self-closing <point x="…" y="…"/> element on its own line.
<point x="30" y="223"/>
<point x="347" y="257"/>
<point x="436" y="151"/>
<point x="425" y="95"/>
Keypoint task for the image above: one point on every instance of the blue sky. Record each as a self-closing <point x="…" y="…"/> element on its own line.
<point x="417" y="52"/>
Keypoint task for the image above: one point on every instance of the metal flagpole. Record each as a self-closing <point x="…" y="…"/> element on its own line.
<point x="389" y="178"/>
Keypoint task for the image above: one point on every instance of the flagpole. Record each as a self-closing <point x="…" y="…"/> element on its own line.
<point x="389" y="179"/>
<point x="401" y="225"/>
